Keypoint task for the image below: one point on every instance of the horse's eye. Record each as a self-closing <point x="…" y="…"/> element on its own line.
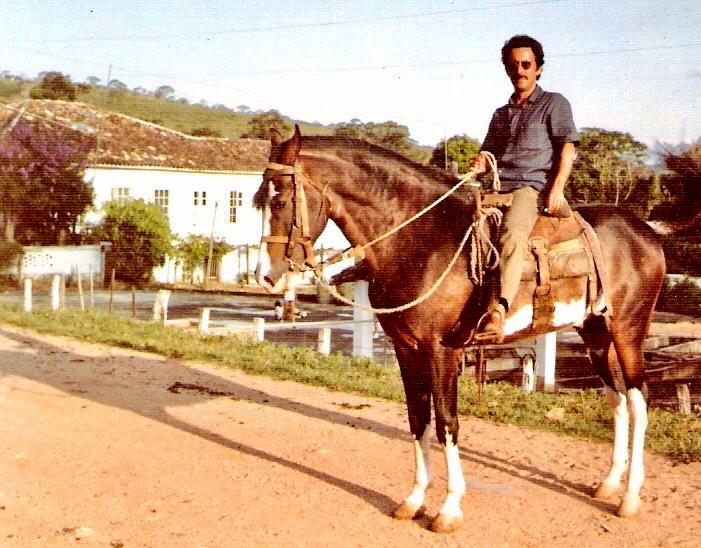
<point x="277" y="204"/>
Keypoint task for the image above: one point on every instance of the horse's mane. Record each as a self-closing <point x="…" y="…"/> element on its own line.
<point x="361" y="153"/>
<point x="361" y="145"/>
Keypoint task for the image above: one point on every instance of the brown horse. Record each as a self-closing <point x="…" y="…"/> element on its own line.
<point x="367" y="190"/>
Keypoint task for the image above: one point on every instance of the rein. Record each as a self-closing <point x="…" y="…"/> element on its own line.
<point x="301" y="224"/>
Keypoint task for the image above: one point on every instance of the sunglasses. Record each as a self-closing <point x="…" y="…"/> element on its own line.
<point x="513" y="65"/>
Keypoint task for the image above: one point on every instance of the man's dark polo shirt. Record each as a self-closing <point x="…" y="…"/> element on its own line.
<point x="526" y="139"/>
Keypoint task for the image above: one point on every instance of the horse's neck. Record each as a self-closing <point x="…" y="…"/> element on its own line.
<point x="365" y="205"/>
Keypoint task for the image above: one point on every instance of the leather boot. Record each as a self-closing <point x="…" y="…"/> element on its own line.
<point x="490" y="329"/>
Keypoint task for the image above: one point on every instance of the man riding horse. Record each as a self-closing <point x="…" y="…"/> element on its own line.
<point x="533" y="138"/>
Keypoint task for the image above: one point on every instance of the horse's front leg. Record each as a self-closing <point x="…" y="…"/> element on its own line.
<point x="444" y="374"/>
<point x="418" y="398"/>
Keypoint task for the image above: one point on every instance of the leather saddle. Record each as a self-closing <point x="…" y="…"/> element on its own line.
<point x="560" y="247"/>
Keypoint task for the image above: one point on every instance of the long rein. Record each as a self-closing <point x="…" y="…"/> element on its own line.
<point x="477" y="225"/>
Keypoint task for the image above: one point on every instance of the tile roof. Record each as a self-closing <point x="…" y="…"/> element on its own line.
<point x="128" y="141"/>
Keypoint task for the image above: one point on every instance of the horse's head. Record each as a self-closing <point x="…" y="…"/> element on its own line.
<point x="293" y="213"/>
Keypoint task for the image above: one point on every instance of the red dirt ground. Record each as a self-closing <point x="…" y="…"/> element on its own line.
<point x="96" y="450"/>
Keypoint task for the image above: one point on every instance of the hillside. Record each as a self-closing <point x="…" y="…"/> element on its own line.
<point x="176" y="115"/>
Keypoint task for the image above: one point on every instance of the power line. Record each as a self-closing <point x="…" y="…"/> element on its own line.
<point x="268" y="28"/>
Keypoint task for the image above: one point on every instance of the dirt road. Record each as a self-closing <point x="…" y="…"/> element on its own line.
<point x="103" y="446"/>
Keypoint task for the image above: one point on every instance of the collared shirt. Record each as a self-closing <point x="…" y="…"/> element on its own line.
<point x="526" y="139"/>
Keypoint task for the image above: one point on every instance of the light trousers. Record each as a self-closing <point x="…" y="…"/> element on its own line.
<point x="516" y="226"/>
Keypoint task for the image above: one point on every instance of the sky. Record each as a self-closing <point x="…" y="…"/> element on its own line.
<point x="625" y="65"/>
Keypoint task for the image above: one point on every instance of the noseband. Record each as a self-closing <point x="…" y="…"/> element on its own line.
<point x="299" y="229"/>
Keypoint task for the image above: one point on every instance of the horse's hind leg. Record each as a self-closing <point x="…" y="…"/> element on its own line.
<point x="418" y="397"/>
<point x="618" y="357"/>
<point x="629" y="348"/>
<point x="602" y="355"/>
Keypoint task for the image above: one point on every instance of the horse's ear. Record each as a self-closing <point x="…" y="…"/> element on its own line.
<point x="292" y="147"/>
<point x="275" y="137"/>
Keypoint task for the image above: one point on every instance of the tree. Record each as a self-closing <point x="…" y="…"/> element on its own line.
<point x="42" y="186"/>
<point x="53" y="85"/>
<point x="388" y="134"/>
<point x="117" y="84"/>
<point x="243" y="109"/>
<point x="93" y="80"/>
<point x="193" y="252"/>
<point x="259" y="126"/>
<point x="163" y="92"/>
<point x="140" y="238"/>
<point x="461" y="149"/>
<point x="610" y="168"/>
<point x="681" y="209"/>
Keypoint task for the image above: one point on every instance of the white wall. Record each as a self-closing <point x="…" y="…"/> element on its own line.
<point x="184" y="217"/>
<point x="46" y="260"/>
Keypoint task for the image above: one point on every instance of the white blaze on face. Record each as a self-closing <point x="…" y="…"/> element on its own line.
<point x="263" y="267"/>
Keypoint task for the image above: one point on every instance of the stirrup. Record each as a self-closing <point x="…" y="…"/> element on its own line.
<point x="489" y="331"/>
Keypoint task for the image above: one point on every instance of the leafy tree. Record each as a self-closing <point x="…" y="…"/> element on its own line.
<point x="53" y="85"/>
<point x="461" y="149"/>
<point x="243" y="109"/>
<point x="193" y="252"/>
<point x="163" y="92"/>
<point x="117" y="84"/>
<point x="388" y="134"/>
<point x="93" y="80"/>
<point x="681" y="209"/>
<point x="610" y="168"/>
<point x="259" y="126"/>
<point x="42" y="186"/>
<point x="140" y="238"/>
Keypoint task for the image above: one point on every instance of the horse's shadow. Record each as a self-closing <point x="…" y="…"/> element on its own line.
<point x="192" y="386"/>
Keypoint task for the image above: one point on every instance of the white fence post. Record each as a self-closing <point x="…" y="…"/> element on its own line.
<point x="55" y="292"/>
<point x="204" y="321"/>
<point x="27" y="294"/>
<point x="259" y="327"/>
<point x="546" y="349"/>
<point x="362" y="331"/>
<point x="324" y="342"/>
<point x="528" y="382"/>
<point x="160" y="305"/>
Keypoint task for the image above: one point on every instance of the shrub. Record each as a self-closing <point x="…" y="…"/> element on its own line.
<point x="140" y="238"/>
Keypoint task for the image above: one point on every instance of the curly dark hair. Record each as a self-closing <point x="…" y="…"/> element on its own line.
<point x="523" y="41"/>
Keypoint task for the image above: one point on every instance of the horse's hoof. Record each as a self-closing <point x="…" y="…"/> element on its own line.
<point x="408" y="511"/>
<point x="629" y="507"/>
<point x="445" y="524"/>
<point x="606" y="491"/>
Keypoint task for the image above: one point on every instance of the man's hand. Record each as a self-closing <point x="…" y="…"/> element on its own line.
<point x="555" y="202"/>
<point x="478" y="164"/>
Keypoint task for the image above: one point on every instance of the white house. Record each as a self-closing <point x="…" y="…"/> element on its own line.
<point x="204" y="185"/>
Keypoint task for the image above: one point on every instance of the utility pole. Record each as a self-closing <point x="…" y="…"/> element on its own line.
<point x="445" y="145"/>
<point x="211" y="247"/>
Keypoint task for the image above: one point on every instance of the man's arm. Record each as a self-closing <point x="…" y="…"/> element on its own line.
<point x="556" y="194"/>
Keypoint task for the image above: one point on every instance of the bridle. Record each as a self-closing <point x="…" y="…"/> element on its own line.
<point x="299" y="228"/>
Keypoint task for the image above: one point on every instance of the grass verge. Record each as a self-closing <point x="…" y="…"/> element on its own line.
<point x="582" y="414"/>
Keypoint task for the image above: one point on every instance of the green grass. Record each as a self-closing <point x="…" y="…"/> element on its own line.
<point x="585" y="414"/>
